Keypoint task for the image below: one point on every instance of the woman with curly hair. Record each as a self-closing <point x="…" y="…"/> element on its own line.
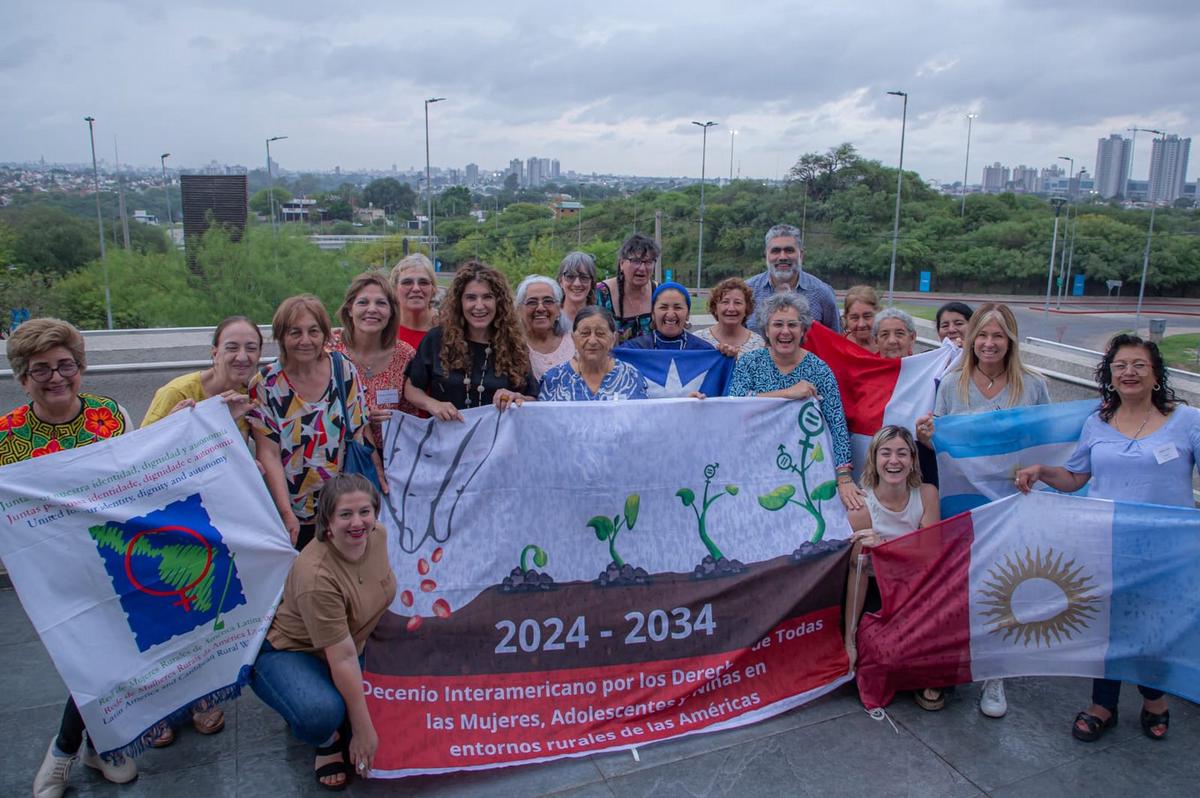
<point x="1140" y="446"/>
<point x="477" y="354"/>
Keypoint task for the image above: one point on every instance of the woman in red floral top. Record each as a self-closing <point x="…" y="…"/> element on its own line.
<point x="48" y="361"/>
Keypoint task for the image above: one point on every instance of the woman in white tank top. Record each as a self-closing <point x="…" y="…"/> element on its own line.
<point x="896" y="503"/>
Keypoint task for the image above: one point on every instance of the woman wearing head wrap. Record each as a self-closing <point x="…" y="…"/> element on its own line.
<point x="670" y="306"/>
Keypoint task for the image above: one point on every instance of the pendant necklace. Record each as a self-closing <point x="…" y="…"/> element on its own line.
<point x="1145" y="421"/>
<point x="467" y="379"/>
<point x="670" y="344"/>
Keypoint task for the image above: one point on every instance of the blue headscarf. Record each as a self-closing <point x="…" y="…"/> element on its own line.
<point x="671" y="286"/>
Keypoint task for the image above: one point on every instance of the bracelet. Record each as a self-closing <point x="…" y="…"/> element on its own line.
<point x="752" y="394"/>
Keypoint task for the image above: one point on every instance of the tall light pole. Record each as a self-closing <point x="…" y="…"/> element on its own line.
<point x="1137" y="323"/>
<point x="967" y="166"/>
<point x="899" y="178"/>
<point x="1057" y="202"/>
<point x="732" y="134"/>
<point x="1062" y="259"/>
<point x="703" y="153"/>
<point x="271" y="181"/>
<point x="429" y="177"/>
<point x="162" y="159"/>
<point x="91" y="120"/>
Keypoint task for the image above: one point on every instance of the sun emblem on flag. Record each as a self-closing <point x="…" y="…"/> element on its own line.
<point x="1039" y="598"/>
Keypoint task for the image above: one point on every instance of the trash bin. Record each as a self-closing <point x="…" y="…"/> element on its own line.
<point x="1157" y="328"/>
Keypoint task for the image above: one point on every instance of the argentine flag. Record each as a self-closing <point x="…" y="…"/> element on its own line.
<point x="675" y="373"/>
<point x="978" y="454"/>
<point x="1043" y="584"/>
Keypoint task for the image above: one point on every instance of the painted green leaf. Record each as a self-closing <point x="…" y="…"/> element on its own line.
<point x="732" y="490"/>
<point x="602" y="526"/>
<point x="686" y="496"/>
<point x="778" y="498"/>
<point x="825" y="491"/>
<point x="540" y="558"/>
<point x="633" y="503"/>
<point x="818" y="454"/>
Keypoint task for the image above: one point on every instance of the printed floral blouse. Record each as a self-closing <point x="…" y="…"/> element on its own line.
<point x="23" y="435"/>
<point x="309" y="434"/>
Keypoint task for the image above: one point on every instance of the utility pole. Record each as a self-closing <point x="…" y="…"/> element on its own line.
<point x="121" y="195"/>
<point x="91" y="120"/>
<point x="162" y="159"/>
<point x="967" y="166"/>
<point x="700" y="248"/>
<point x="429" y="180"/>
<point x="899" y="181"/>
<point x="658" y="242"/>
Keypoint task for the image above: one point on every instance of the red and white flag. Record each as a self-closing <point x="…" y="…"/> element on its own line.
<point x="877" y="390"/>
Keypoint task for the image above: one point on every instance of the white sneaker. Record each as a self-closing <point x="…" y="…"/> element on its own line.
<point x="52" y="777"/>
<point x="993" y="703"/>
<point x="117" y="768"/>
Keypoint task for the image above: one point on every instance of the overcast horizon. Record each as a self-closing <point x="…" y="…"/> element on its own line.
<point x="610" y="90"/>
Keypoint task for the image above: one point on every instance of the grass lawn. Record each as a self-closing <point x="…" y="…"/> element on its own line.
<point x="921" y="311"/>
<point x="1180" y="351"/>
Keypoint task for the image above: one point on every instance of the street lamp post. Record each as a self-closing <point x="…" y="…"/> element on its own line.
<point x="1137" y="323"/>
<point x="1062" y="259"/>
<point x="967" y="166"/>
<point x="732" y="133"/>
<point x="271" y="181"/>
<point x="91" y="120"/>
<point x="162" y="159"/>
<point x="1057" y="202"/>
<point x="704" y="126"/>
<point x="899" y="179"/>
<point x="429" y="177"/>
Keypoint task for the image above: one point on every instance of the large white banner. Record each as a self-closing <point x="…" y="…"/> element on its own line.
<point x="150" y="565"/>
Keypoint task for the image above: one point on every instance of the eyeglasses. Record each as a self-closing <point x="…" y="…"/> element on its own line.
<point x="66" y="369"/>
<point x="546" y="302"/>
<point x="576" y="277"/>
<point x="1136" y="367"/>
<point x="639" y="262"/>
<point x="409" y="282"/>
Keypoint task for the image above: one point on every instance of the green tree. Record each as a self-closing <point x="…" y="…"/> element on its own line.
<point x="51" y="241"/>
<point x="260" y="203"/>
<point x="391" y="195"/>
<point x="454" y="201"/>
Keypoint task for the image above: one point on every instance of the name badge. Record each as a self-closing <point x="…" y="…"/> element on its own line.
<point x="1165" y="453"/>
<point x="388" y="396"/>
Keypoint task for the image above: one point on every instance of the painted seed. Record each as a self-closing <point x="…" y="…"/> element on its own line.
<point x="428" y="585"/>
<point x="422" y="566"/>
<point x="414" y="623"/>
<point x="441" y="608"/>
<point x="437" y="554"/>
<point x="406" y="598"/>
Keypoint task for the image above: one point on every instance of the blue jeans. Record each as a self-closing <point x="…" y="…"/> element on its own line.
<point x="300" y="688"/>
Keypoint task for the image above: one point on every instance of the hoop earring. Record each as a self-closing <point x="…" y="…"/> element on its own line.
<point x="1109" y="388"/>
<point x="1157" y="387"/>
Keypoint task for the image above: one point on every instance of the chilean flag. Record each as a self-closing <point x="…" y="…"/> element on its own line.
<point x="1043" y="584"/>
<point x="876" y="390"/>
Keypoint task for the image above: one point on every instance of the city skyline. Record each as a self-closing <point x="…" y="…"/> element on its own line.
<point x="613" y="90"/>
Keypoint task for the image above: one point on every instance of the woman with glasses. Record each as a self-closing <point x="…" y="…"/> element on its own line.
<point x="1140" y="446"/>
<point x="629" y="295"/>
<point x="415" y="287"/>
<point x="539" y="303"/>
<point x="577" y="279"/>
<point x="47" y="359"/>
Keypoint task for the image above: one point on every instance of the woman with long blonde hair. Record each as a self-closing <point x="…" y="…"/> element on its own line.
<point x="477" y="354"/>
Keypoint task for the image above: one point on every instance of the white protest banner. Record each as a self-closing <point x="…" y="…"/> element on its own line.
<point x="150" y="565"/>
<point x="578" y="577"/>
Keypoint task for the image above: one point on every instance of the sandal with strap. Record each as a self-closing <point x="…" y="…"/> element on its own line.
<point x="208" y="721"/>
<point x="1096" y="727"/>
<point x="1151" y="719"/>
<point x="930" y="704"/>
<point x="333" y="768"/>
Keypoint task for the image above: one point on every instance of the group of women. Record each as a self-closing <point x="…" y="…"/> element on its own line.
<point x="551" y="340"/>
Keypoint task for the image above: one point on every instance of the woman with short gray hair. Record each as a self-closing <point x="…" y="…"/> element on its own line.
<point x="894" y="333"/>
<point x="539" y="302"/>
<point x="786" y="370"/>
<point x="577" y="278"/>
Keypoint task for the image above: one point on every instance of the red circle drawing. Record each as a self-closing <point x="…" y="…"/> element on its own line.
<point x="184" y="599"/>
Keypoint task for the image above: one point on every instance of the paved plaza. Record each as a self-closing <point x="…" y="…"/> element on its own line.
<point x="828" y="748"/>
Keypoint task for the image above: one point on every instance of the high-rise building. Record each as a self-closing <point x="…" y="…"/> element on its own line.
<point x="1113" y="158"/>
<point x="517" y="167"/>
<point x="1024" y="179"/>
<point x="1168" y="168"/>
<point x="1049" y="178"/>
<point x="555" y="170"/>
<point x="995" y="178"/>
<point x="472" y="174"/>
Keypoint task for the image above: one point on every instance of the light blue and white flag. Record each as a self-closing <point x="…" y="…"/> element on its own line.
<point x="674" y="373"/>
<point x="979" y="454"/>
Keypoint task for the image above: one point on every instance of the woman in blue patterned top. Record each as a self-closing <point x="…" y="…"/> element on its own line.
<point x="592" y="373"/>
<point x="786" y="370"/>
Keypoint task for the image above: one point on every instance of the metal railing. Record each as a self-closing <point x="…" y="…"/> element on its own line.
<point x="1189" y="375"/>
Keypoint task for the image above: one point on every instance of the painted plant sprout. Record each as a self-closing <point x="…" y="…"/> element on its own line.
<point x="715" y="563"/>
<point x="608" y="529"/>
<point x="811" y="426"/>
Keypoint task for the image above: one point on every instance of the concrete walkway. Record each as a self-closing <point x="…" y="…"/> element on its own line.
<point x="829" y="748"/>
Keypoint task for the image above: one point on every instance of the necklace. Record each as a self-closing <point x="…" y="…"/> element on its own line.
<point x="1145" y="421"/>
<point x="991" y="380"/>
<point x="669" y="343"/>
<point x="369" y="365"/>
<point x="467" y="379"/>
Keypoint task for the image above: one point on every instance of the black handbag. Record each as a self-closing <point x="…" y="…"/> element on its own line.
<point x="356" y="456"/>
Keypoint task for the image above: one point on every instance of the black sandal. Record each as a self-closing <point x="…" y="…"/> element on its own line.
<point x="333" y="768"/>
<point x="1151" y="719"/>
<point x="1095" y="726"/>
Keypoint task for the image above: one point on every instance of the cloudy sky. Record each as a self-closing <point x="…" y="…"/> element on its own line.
<point x="607" y="87"/>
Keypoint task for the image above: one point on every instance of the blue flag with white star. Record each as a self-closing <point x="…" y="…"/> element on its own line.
<point x="671" y="372"/>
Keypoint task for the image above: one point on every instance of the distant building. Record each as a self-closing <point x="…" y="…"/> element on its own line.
<point x="1049" y="177"/>
<point x="516" y="167"/>
<point x="472" y="174"/>
<point x="144" y="217"/>
<point x="369" y="214"/>
<point x="300" y="210"/>
<point x="555" y="170"/>
<point x="995" y="178"/>
<point x="1114" y="156"/>
<point x="1024" y="179"/>
<point x="1168" y="168"/>
<point x="564" y="208"/>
